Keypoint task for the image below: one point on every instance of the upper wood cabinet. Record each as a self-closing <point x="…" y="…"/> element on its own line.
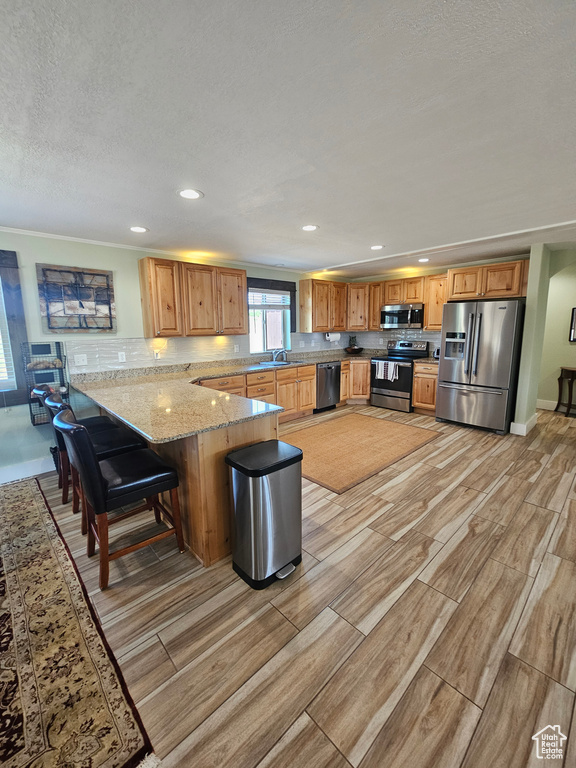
<point x="492" y="281"/>
<point x="409" y="290"/>
<point x="375" y="302"/>
<point x="435" y="294"/>
<point x="322" y="306"/>
<point x="183" y="299"/>
<point x="160" y="290"/>
<point x="358" y="306"/>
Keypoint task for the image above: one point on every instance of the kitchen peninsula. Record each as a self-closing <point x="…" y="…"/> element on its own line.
<point x="193" y="428"/>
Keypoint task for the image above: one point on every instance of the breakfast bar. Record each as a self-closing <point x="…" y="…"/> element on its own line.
<point x="193" y="428"/>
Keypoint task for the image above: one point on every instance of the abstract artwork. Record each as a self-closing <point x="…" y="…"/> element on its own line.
<point x="73" y="299"/>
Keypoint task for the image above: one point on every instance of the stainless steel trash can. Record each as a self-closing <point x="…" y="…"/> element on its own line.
<point x="267" y="501"/>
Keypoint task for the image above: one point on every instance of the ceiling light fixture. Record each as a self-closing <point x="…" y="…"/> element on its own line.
<point x="139" y="229"/>
<point x="376" y="247"/>
<point x="423" y="261"/>
<point x="191" y="194"/>
<point x="310" y="227"/>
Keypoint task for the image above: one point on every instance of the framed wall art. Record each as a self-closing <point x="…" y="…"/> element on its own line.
<point x="74" y="299"/>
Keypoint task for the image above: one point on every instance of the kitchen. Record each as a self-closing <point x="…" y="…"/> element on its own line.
<point x="447" y="577"/>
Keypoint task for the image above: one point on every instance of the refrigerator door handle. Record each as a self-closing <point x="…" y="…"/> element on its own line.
<point x="468" y="349"/>
<point x="464" y="388"/>
<point x="477" y="344"/>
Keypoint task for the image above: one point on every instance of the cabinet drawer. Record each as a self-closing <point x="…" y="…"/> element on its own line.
<point x="264" y="377"/>
<point x="307" y="372"/>
<point x="288" y="374"/>
<point x="271" y="399"/>
<point x="426" y="368"/>
<point x="258" y="390"/>
<point x="226" y="383"/>
<point x="345" y="366"/>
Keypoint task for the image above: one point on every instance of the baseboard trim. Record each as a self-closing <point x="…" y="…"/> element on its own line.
<point x="26" y="469"/>
<point x="518" y="428"/>
<point x="546" y="405"/>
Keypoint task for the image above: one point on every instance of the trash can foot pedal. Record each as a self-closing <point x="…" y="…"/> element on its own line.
<point x="286" y="571"/>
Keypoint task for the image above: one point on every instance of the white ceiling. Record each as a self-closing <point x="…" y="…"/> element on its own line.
<point x="410" y="123"/>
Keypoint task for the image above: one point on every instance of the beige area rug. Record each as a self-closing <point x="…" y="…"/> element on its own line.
<point x="344" y="451"/>
<point x="63" y="702"/>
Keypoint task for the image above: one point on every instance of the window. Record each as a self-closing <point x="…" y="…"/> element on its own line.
<point x="12" y="332"/>
<point x="271" y="317"/>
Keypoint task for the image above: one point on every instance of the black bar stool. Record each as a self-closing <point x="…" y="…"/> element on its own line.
<point x="115" y="482"/>
<point x="108" y="441"/>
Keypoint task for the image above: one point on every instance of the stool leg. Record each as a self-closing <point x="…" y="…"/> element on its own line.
<point x="75" y="491"/>
<point x="91" y="525"/>
<point x="560" y="380"/>
<point x="176" y="518"/>
<point x="570" y="388"/>
<point x="102" y="521"/>
<point x="64" y="470"/>
<point x="84" y="520"/>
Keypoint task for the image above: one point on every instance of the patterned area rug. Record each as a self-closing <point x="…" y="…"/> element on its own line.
<point x="63" y="702"/>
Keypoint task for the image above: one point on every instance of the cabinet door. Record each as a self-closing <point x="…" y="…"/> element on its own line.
<point x="338" y="297"/>
<point x="321" y="306"/>
<point x="393" y="290"/>
<point x="502" y="280"/>
<point x="464" y="283"/>
<point x="413" y="290"/>
<point x="306" y="394"/>
<point x="344" y="384"/>
<point x="287" y="396"/>
<point x="360" y="378"/>
<point x="233" y="301"/>
<point x="375" y="296"/>
<point x="424" y="391"/>
<point x="434" y="300"/>
<point x="200" y="300"/>
<point x="358" y="306"/>
<point x="161" y="297"/>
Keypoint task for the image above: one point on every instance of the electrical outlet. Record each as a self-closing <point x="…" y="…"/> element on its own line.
<point x="236" y="347"/>
<point x="302" y="344"/>
<point x="80" y="360"/>
<point x="381" y="342"/>
<point x="121" y="357"/>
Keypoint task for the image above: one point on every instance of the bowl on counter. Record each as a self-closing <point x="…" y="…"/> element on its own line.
<point x="354" y="350"/>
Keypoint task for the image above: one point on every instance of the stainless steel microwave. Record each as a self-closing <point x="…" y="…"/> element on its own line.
<point x="402" y="316"/>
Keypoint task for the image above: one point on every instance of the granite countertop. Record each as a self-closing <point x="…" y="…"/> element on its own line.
<point x="166" y="407"/>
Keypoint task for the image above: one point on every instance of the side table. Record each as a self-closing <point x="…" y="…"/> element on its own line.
<point x="568" y="374"/>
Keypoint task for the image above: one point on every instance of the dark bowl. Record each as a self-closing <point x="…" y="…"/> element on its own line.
<point x="354" y="350"/>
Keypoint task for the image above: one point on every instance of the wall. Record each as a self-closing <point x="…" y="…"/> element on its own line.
<point x="557" y="350"/>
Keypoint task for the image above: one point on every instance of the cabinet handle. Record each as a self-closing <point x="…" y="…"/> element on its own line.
<point x="259" y="377"/>
<point x="223" y="382"/>
<point x="260" y="389"/>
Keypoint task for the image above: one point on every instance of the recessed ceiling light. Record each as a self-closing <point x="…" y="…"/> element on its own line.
<point x="191" y="194"/>
<point x="423" y="260"/>
<point x="138" y="229"/>
<point x="310" y="227"/>
<point x="376" y="247"/>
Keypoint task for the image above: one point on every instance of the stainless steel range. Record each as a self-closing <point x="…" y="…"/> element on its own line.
<point x="391" y="376"/>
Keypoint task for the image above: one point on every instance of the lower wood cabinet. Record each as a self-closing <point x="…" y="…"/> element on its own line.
<point x="296" y="391"/>
<point x="424" y="387"/>
<point x="233" y="385"/>
<point x="344" y="381"/>
<point x="359" y="380"/>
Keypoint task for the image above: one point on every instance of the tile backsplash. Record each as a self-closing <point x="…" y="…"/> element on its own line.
<point x="107" y="354"/>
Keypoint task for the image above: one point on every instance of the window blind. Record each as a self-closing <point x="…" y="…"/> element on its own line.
<point x="7" y="373"/>
<point x="268" y="299"/>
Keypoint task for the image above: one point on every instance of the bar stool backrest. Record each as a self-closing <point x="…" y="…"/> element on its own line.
<point x="82" y="456"/>
<point x="53" y="404"/>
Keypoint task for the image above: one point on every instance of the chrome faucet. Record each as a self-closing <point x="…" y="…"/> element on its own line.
<point x="276" y="354"/>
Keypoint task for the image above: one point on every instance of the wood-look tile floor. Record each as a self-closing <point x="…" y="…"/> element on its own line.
<point x="432" y="622"/>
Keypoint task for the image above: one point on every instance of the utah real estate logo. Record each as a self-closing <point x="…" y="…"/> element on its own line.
<point x="549" y="743"/>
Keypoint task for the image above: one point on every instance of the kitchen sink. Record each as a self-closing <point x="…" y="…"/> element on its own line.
<point x="281" y="362"/>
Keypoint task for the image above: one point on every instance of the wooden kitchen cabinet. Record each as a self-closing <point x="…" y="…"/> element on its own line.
<point x="261" y="386"/>
<point x="425" y="383"/>
<point x="358" y="306"/>
<point x="322" y="306"/>
<point x="375" y="303"/>
<point x="409" y="290"/>
<point x="160" y="290"/>
<point x="184" y="299"/>
<point x="492" y="281"/>
<point x="435" y="296"/>
<point x="233" y="385"/>
<point x="344" y="381"/>
<point x="359" y="380"/>
<point x="296" y="391"/>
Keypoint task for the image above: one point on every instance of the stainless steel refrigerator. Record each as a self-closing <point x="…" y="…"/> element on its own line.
<point x="479" y="357"/>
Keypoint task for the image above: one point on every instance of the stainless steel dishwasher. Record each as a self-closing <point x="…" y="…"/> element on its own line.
<point x="327" y="385"/>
